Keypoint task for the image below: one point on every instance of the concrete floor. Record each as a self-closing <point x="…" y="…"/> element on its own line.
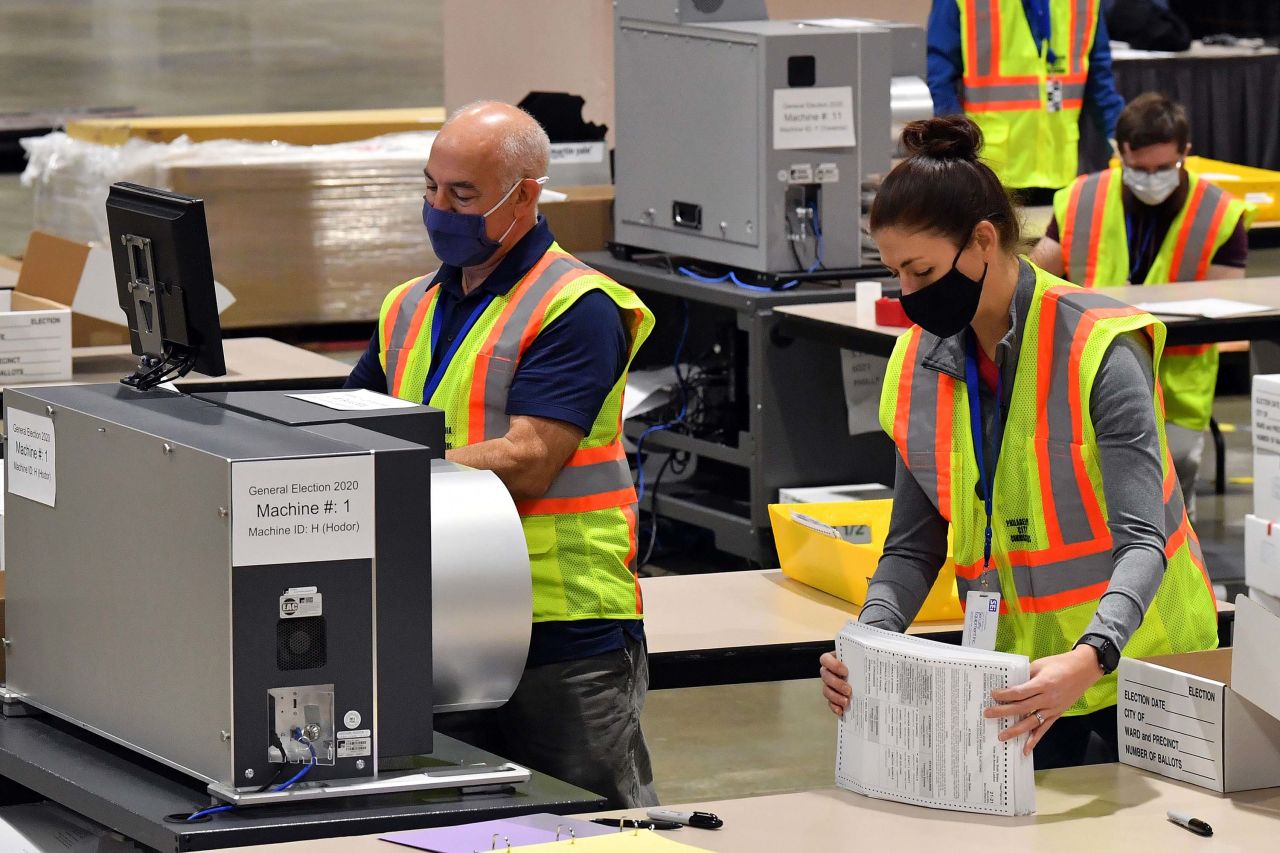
<point x="206" y="56"/>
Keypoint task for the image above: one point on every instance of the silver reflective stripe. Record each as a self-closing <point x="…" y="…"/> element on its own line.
<point x="984" y="62"/>
<point x="1002" y="92"/>
<point x="1069" y="509"/>
<point x="1055" y="578"/>
<point x="397" y="346"/>
<point x="1174" y="510"/>
<point x="507" y="348"/>
<point x="922" y="429"/>
<point x="1198" y="235"/>
<point x="1080" y="37"/>
<point x="598" y="478"/>
<point x="1073" y="91"/>
<point x="1081" y="228"/>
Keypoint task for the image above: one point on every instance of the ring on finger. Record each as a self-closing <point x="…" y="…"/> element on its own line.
<point x="1039" y="717"/>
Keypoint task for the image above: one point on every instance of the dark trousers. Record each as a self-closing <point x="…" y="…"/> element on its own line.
<point x="1086" y="739"/>
<point x="576" y="720"/>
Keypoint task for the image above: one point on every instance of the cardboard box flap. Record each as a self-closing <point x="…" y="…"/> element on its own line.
<point x="1213" y="665"/>
<point x="1255" y="666"/>
<point x="51" y="267"/>
<point x="81" y="276"/>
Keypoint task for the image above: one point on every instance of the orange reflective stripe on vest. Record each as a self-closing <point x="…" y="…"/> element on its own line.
<point x="987" y="89"/>
<point x="515" y="329"/>
<point x="1084" y="220"/>
<point x="401" y="328"/>
<point x="1205" y="209"/>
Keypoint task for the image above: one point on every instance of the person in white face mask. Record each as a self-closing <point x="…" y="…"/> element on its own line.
<point x="1152" y="222"/>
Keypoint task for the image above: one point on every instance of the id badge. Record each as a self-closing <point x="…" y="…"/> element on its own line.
<point x="981" y="616"/>
<point x="1053" y="96"/>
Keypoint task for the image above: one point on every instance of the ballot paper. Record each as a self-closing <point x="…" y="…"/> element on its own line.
<point x="1213" y="309"/>
<point x="914" y="731"/>
<point x="355" y="400"/>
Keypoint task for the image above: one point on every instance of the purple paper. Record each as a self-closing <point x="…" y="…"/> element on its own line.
<point x="516" y="832"/>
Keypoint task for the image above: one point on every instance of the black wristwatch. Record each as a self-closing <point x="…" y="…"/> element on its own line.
<point x="1108" y="654"/>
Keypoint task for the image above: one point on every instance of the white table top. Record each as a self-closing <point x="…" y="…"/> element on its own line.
<point x="1106" y="807"/>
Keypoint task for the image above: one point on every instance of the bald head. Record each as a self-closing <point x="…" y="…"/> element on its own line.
<point x="506" y="139"/>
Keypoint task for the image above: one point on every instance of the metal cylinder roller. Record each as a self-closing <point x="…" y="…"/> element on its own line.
<point x="481" y="589"/>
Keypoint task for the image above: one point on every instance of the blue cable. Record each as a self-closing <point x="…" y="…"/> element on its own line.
<point x="284" y="786"/>
<point x="684" y="407"/>
<point x="733" y="277"/>
<point x="207" y="812"/>
<point x="706" y="279"/>
<point x="817" y="229"/>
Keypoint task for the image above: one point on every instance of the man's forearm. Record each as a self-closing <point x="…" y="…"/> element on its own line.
<point x="521" y="476"/>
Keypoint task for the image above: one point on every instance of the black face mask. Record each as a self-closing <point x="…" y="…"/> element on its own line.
<point x="948" y="305"/>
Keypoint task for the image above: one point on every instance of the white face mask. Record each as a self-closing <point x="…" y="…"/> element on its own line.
<point x="1152" y="188"/>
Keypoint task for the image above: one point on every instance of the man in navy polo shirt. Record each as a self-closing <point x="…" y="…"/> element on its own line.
<point x="576" y="712"/>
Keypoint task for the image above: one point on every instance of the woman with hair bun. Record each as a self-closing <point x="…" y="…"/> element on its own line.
<point x="1026" y="417"/>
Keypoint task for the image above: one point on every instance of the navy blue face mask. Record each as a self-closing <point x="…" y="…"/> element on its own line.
<point x="459" y="239"/>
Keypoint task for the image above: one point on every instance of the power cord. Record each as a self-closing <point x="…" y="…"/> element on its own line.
<point x="298" y="736"/>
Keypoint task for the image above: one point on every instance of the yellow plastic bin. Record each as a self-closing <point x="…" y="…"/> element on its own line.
<point x="812" y="555"/>
<point x="1259" y="187"/>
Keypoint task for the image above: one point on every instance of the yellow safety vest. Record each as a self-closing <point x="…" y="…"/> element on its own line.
<point x="1095" y="253"/>
<point x="582" y="533"/>
<point x="1028" y="110"/>
<point x="1051" y="546"/>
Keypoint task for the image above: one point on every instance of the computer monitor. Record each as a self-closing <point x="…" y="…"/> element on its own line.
<point x="164" y="279"/>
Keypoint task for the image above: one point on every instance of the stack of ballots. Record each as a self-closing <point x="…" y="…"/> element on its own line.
<point x="1262" y="528"/>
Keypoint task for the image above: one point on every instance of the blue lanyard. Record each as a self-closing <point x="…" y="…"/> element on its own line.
<point x="975" y="421"/>
<point x="437" y="320"/>
<point x="1144" y="244"/>
<point x="1043" y="28"/>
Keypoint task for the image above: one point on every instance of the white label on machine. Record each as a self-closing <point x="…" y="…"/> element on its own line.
<point x="302" y="510"/>
<point x="354" y="747"/>
<point x="301" y="601"/>
<point x="827" y="173"/>
<point x="563" y="153"/>
<point x="813" y="118"/>
<point x="29" y="455"/>
<point x="359" y="400"/>
<point x="800" y="173"/>
<point x="351" y="719"/>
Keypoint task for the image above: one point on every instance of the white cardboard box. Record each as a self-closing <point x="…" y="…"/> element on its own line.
<point x="1266" y="484"/>
<point x="835" y="494"/>
<point x="1262" y="554"/>
<point x="1266" y="599"/>
<point x="35" y="341"/>
<point x="1266" y="412"/>
<point x="1207" y="718"/>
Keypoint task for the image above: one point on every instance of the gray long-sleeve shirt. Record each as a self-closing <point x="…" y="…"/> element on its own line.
<point x="1124" y="421"/>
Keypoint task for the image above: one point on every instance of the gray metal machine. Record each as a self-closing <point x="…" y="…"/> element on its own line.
<point x="243" y="584"/>
<point x="745" y="142"/>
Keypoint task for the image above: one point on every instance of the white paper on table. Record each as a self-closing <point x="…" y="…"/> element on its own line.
<point x="356" y="400"/>
<point x="1210" y="308"/>
<point x="49" y="828"/>
<point x="647" y="390"/>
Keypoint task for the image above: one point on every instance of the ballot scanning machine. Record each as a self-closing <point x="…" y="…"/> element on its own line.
<point x="746" y="142"/>
<point x="271" y="592"/>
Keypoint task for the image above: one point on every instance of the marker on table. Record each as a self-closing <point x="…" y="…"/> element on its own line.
<point x="1194" y="824"/>
<point x="701" y="820"/>
<point x="628" y="822"/>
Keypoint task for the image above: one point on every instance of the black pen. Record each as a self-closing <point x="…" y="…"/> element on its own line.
<point x="700" y="820"/>
<point x="1194" y="824"/>
<point x="639" y="823"/>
